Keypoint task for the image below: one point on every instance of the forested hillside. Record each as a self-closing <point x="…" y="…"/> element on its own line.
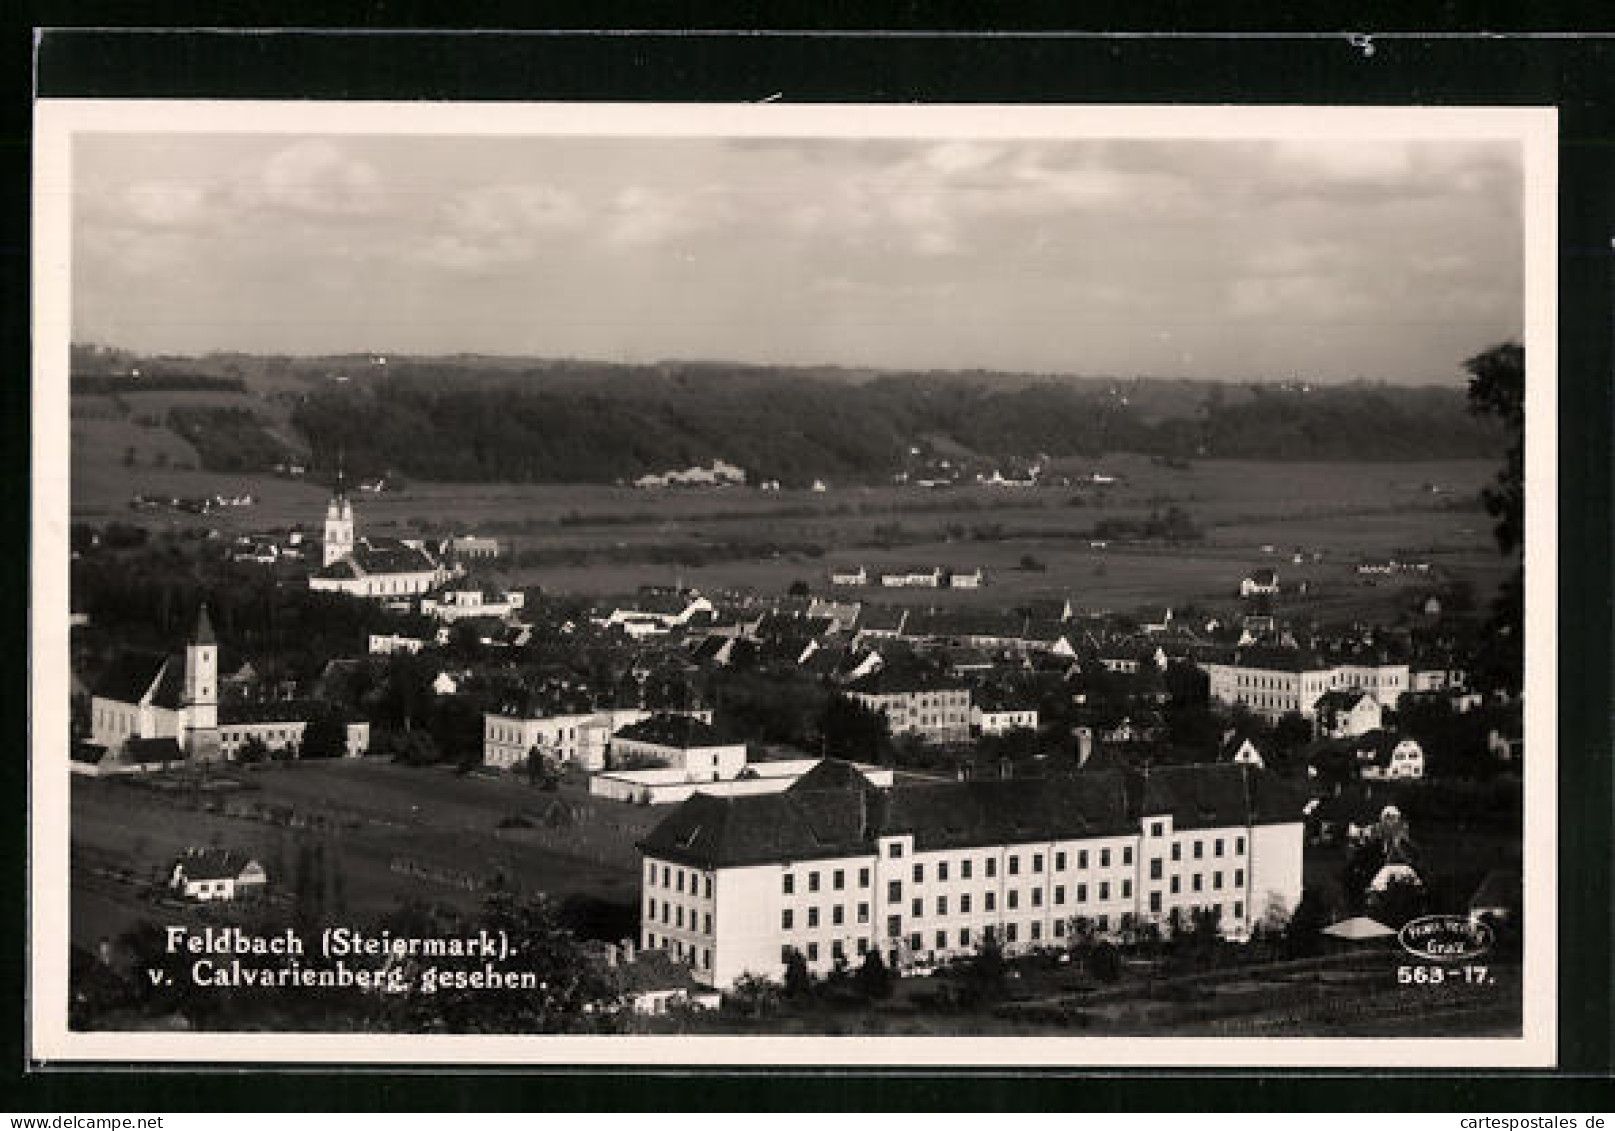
<point x="473" y="419"/>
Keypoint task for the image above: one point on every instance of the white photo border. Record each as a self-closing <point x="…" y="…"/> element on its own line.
<point x="57" y="121"/>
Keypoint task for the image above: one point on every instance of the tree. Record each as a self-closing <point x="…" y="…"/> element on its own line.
<point x="874" y="976"/>
<point x="754" y="994"/>
<point x="798" y="978"/>
<point x="1301" y="934"/>
<point x="1497" y="389"/>
<point x="252" y="751"/>
<point x="855" y="732"/>
<point x="1399" y="901"/>
<point x="325" y="736"/>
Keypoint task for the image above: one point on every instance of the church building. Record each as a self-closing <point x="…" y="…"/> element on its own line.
<point x="383" y="569"/>
<point x="164" y="708"/>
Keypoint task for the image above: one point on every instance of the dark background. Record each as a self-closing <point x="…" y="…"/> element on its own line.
<point x="1241" y="55"/>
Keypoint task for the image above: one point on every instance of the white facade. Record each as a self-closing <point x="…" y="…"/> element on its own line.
<point x="696" y="763"/>
<point x="285" y="734"/>
<point x="338" y="540"/>
<point x="583" y="738"/>
<point x="1002" y="720"/>
<point x="920" y="907"/>
<point x="454" y="604"/>
<point x="1274" y="690"/>
<point x="934" y="714"/>
<point x="1405" y="763"/>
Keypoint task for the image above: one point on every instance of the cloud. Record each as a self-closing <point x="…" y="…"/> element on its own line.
<point x="316" y="180"/>
<point x="641" y="217"/>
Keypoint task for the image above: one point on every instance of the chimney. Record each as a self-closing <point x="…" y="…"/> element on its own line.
<point x="627" y="949"/>
<point x="611" y="955"/>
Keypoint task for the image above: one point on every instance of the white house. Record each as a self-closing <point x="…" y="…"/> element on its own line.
<point x="1385" y="756"/>
<point x="1259" y="583"/>
<point x="928" y="872"/>
<point x="678" y="742"/>
<point x="212" y="874"/>
<point x="454" y="603"/>
<point x="848" y="577"/>
<point x="581" y="737"/>
<point x="1002" y="716"/>
<point x="1348" y="714"/>
<point x="653" y="614"/>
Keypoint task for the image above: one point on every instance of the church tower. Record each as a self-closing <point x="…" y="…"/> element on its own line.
<point x="200" y="705"/>
<point x="338" y="523"/>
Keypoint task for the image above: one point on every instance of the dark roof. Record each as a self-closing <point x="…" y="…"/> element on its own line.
<point x="130" y="675"/>
<point x="899" y="679"/>
<point x="1500" y="888"/>
<point x="818" y="823"/>
<point x="1340" y="700"/>
<point x="682" y="731"/>
<point x="831" y="773"/>
<point x="1279" y="659"/>
<point x="1263" y="576"/>
<point x="204" y="628"/>
<point x="212" y="863"/>
<point x="144" y="751"/>
<point x="342" y="568"/>
<point x="390" y="556"/>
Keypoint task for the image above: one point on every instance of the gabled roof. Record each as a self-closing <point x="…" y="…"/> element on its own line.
<point x="830" y="773"/>
<point x="681" y="731"/>
<point x="377" y="555"/>
<point x="824" y="820"/>
<point x="1341" y="700"/>
<point x="213" y="863"/>
<point x="901" y="679"/>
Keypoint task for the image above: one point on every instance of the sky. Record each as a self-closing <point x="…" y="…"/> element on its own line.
<point x="1218" y="259"/>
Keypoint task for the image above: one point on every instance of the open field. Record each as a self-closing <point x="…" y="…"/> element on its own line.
<point x="398" y="834"/>
<point x="602" y="540"/>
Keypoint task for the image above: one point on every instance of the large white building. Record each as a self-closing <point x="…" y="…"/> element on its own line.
<point x="1275" y="681"/>
<point x="833" y="866"/>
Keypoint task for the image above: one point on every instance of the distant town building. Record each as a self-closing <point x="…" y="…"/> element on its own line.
<point x="933" y="707"/>
<point x="580" y="737"/>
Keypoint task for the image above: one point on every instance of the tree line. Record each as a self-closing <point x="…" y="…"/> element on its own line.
<point x="630" y="421"/>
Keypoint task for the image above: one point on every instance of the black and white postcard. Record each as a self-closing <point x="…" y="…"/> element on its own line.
<point x="777" y="585"/>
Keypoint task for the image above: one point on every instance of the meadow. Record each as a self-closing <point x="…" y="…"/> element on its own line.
<point x="600" y="540"/>
<point x="396" y="833"/>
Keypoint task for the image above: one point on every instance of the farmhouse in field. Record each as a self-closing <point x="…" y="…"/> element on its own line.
<point x="213" y="874"/>
<point x="1259" y="583"/>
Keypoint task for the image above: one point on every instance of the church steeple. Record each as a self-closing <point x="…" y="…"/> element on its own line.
<point x="339" y="535"/>
<point x="204" y="628"/>
<point x="200" y="705"/>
